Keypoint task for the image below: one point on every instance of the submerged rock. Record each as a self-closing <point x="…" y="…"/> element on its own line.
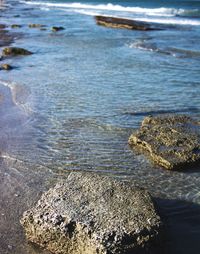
<point x="171" y="141"/>
<point x="57" y="28"/>
<point x="36" y="25"/>
<point x="115" y="22"/>
<point x="92" y="214"/>
<point x="2" y="26"/>
<point x="6" y="67"/>
<point x="14" y="51"/>
<point x="16" y="26"/>
<point x="5" y="38"/>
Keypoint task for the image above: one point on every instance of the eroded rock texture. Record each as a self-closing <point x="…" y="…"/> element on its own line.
<point x="92" y="214"/>
<point x="171" y="141"/>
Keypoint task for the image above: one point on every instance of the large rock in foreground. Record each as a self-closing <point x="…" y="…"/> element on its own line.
<point x="115" y="22"/>
<point x="171" y="141"/>
<point x="91" y="214"/>
<point x="14" y="51"/>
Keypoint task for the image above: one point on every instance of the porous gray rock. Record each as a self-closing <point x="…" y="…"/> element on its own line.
<point x="115" y="22"/>
<point x="93" y="214"/>
<point x="172" y="141"/>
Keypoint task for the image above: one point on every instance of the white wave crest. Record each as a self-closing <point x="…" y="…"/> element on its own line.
<point x="169" y="21"/>
<point x="164" y="15"/>
<point x="111" y="7"/>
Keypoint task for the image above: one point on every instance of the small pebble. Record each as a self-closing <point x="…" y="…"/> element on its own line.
<point x="10" y="247"/>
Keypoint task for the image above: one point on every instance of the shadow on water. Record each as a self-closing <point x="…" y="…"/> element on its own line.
<point x="164" y="111"/>
<point x="182" y="220"/>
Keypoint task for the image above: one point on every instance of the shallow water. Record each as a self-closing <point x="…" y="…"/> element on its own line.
<point x="73" y="104"/>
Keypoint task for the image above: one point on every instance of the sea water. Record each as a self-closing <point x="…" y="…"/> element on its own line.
<point x="85" y="89"/>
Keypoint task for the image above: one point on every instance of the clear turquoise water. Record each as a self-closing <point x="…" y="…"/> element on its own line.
<point x="86" y="88"/>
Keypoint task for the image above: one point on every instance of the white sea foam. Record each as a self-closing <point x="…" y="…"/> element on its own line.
<point x="164" y="15"/>
<point x="45" y="8"/>
<point x="89" y="13"/>
<point x="171" y="21"/>
<point x="111" y="7"/>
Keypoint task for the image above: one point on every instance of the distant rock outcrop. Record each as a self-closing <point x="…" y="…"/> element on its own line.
<point x="115" y="22"/>
<point x="92" y="214"/>
<point x="172" y="141"/>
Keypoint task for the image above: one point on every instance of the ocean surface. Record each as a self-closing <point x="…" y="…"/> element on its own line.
<point x="73" y="104"/>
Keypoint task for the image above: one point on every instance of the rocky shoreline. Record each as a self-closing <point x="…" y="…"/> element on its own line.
<point x="114" y="217"/>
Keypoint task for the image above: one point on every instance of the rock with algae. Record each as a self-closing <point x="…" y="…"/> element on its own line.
<point x="115" y="22"/>
<point x="93" y="214"/>
<point x="172" y="141"/>
<point x="14" y="51"/>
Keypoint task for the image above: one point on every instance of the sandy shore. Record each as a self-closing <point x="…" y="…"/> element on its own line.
<point x="20" y="183"/>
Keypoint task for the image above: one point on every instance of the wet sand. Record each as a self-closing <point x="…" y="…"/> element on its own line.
<point x="20" y="183"/>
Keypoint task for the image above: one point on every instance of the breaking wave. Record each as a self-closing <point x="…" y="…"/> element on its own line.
<point x="111" y="7"/>
<point x="157" y="15"/>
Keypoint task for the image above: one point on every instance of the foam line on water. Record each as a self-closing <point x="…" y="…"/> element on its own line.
<point x="155" y="15"/>
<point x="169" y="21"/>
<point x="162" y="11"/>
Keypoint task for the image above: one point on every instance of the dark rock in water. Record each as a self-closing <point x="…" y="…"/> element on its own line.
<point x="2" y="26"/>
<point x="6" y="67"/>
<point x="6" y="38"/>
<point x="14" y="51"/>
<point x="35" y="26"/>
<point x="16" y="26"/>
<point x="171" y="141"/>
<point x="57" y="28"/>
<point x="123" y="23"/>
<point x="92" y="214"/>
